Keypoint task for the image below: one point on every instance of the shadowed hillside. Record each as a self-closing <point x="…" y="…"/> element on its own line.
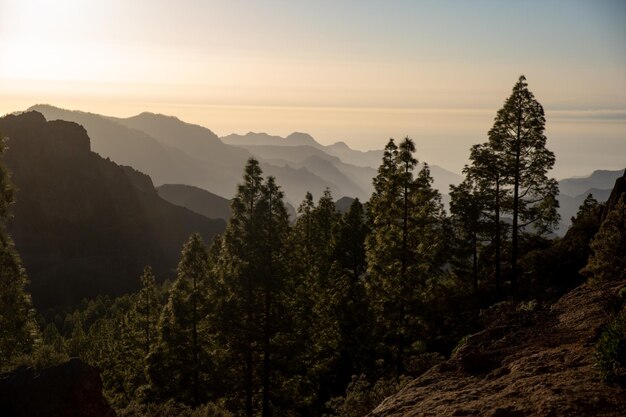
<point x="84" y="225"/>
<point x="196" y="199"/>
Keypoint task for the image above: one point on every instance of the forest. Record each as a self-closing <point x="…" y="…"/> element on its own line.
<point x="330" y="313"/>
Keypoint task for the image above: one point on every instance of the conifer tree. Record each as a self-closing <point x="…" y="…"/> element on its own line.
<point x="18" y="329"/>
<point x="253" y="268"/>
<point x="78" y="342"/>
<point x="485" y="174"/>
<point x="352" y="311"/>
<point x="466" y="208"/>
<point x="274" y="222"/>
<point x="147" y="309"/>
<point x="518" y="135"/>
<point x="180" y="366"/>
<point x="403" y="250"/>
<point x="238" y="262"/>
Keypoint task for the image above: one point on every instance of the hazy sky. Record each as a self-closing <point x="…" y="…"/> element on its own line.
<point x="359" y="71"/>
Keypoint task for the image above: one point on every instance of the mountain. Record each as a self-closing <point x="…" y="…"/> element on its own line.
<point x="196" y="199"/>
<point x="573" y="191"/>
<point x="202" y="201"/>
<point x="354" y="180"/>
<point x="175" y="152"/>
<point x="179" y="153"/>
<point x="343" y="204"/>
<point x="252" y="139"/>
<point x="600" y="179"/>
<point x="355" y="157"/>
<point x="194" y="140"/>
<point x="84" y="225"/>
<point x="568" y="206"/>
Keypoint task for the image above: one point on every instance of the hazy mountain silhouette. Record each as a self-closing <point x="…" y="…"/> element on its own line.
<point x="599" y="179"/>
<point x="568" y="206"/>
<point x="252" y="138"/>
<point x="339" y="149"/>
<point x="343" y="204"/>
<point x="357" y="167"/>
<point x="83" y="224"/>
<point x="174" y="152"/>
<point x="196" y="199"/>
<point x="202" y="201"/>
<point x="355" y="157"/>
<point x="573" y="192"/>
<point x="200" y="159"/>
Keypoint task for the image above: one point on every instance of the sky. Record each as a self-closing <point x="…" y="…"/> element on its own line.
<point x="356" y="71"/>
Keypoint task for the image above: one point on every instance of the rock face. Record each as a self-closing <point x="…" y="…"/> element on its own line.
<point x="72" y="389"/>
<point x="618" y="190"/>
<point x="535" y="363"/>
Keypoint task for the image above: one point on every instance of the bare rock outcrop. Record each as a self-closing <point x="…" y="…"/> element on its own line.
<point x="536" y="363"/>
<point x="71" y="389"/>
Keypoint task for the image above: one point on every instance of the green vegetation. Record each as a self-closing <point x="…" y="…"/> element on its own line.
<point x="610" y="354"/>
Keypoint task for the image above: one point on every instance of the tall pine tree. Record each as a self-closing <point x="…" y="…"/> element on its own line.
<point x="518" y="134"/>
<point x="180" y="367"/>
<point x="403" y="250"/>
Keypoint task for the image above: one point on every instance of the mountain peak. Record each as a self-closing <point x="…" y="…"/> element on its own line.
<point x="302" y="138"/>
<point x="152" y="116"/>
<point x="340" y="145"/>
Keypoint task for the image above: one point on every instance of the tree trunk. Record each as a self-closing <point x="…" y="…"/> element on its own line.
<point x="195" y="343"/>
<point x="497" y="239"/>
<point x="475" y="261"/>
<point x="514" y="242"/>
<point x="266" y="331"/>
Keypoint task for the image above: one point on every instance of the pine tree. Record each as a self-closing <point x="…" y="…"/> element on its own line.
<point x="486" y="175"/>
<point x="180" y="366"/>
<point x="518" y="134"/>
<point x="352" y="310"/>
<point x="147" y="309"/>
<point x="238" y="258"/>
<point x="466" y="209"/>
<point x="18" y="329"/>
<point x="253" y="268"/>
<point x="78" y="342"/>
<point x="404" y="249"/>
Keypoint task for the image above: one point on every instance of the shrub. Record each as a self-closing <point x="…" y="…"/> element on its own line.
<point x="362" y="397"/>
<point x="610" y="353"/>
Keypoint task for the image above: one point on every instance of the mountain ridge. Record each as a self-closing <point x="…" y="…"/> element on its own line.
<point x="85" y="225"/>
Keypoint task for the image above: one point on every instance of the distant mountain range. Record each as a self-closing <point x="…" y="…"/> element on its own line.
<point x="174" y="152"/>
<point x="573" y="192"/>
<point x="83" y="224"/>
<point x="339" y="149"/>
<point x="356" y="168"/>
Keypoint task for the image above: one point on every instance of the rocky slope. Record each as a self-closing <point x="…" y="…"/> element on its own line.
<point x="532" y="363"/>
